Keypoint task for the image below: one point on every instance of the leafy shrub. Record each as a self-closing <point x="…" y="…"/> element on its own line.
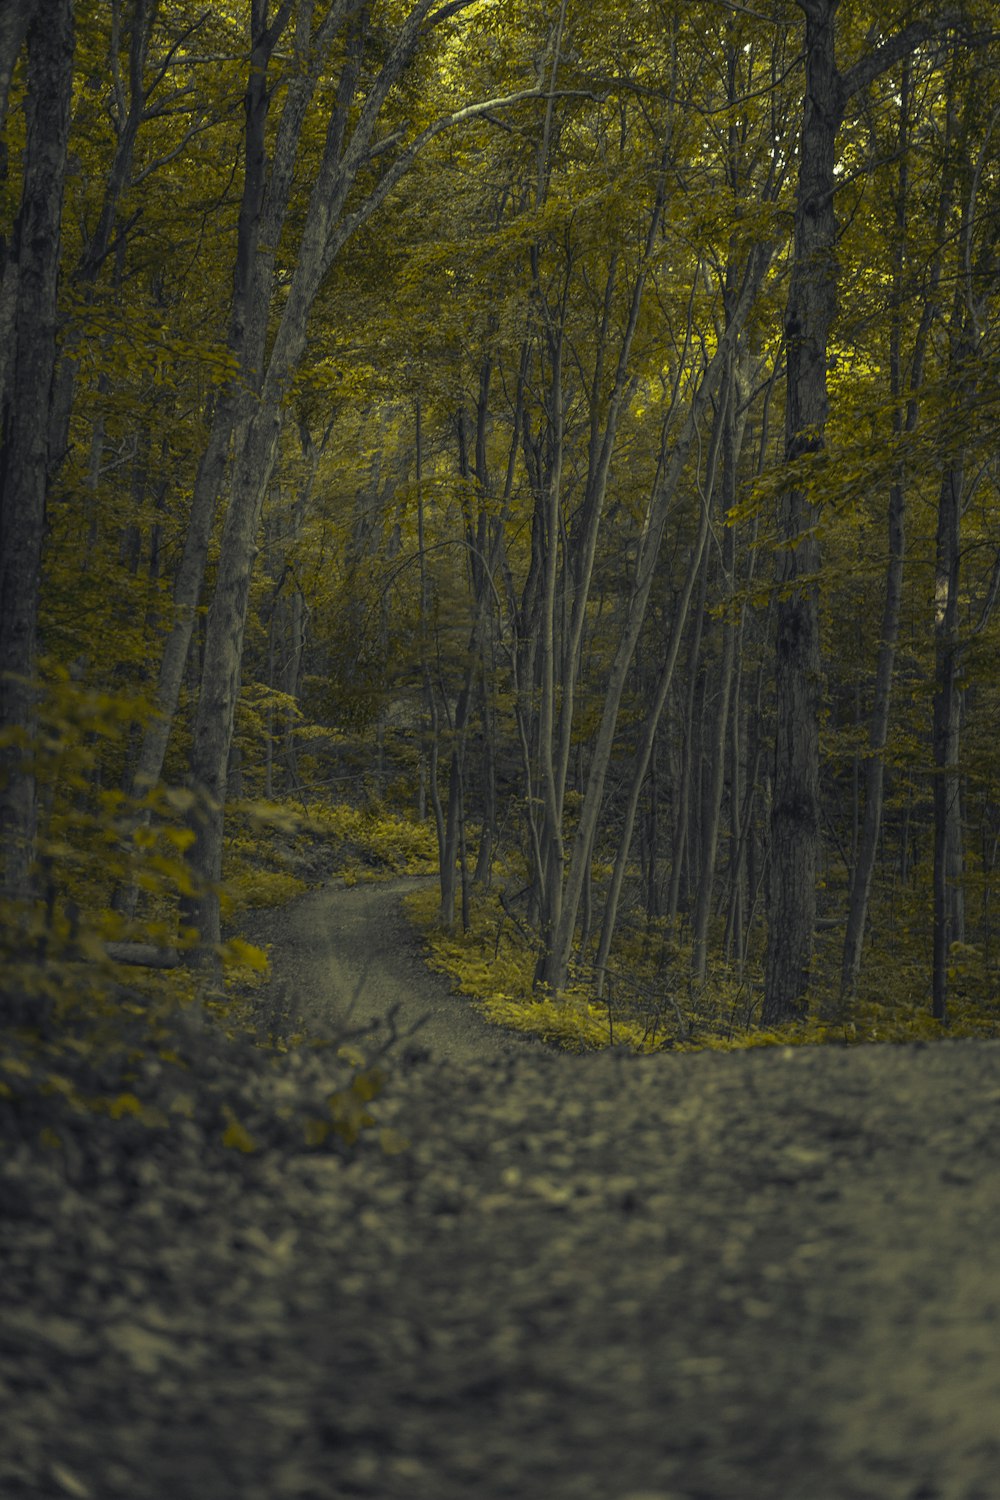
<point x="376" y="837"/>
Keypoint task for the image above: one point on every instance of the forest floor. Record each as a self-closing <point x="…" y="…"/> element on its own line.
<point x="347" y="960"/>
<point x="764" y="1275"/>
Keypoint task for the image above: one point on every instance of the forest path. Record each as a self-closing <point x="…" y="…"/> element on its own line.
<point x="344" y="958"/>
<point x="767" y="1275"/>
<point x="704" y="1277"/>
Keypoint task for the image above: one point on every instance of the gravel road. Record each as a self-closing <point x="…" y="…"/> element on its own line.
<point x="699" y="1277"/>
<point x="772" y="1275"/>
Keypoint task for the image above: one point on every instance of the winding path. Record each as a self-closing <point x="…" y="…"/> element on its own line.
<point x="772" y="1275"/>
<point x="343" y="958"/>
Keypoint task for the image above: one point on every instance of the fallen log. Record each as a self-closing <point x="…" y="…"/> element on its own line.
<point x="144" y="955"/>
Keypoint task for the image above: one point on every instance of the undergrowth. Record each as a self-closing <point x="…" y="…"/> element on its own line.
<point x="99" y="1056"/>
<point x="649" y="1003"/>
<point x="275" y="851"/>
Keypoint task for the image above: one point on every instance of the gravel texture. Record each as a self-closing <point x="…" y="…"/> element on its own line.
<point x="690" y="1277"/>
<point x="346" y="958"/>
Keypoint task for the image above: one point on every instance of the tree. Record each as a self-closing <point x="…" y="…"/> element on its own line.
<point x="812" y="297"/>
<point x="30" y="280"/>
<point x="331" y="218"/>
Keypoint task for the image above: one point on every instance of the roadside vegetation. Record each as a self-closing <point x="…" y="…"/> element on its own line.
<point x="649" y="1003"/>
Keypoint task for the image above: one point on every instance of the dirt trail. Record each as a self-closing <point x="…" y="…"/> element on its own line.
<point x="772" y="1275"/>
<point x="343" y="957"/>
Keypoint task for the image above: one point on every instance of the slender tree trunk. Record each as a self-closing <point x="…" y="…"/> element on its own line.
<point x="679" y="858"/>
<point x="644" y="751"/>
<point x="263" y="205"/>
<point x="976" y="282"/>
<point x="878" y="726"/>
<point x="487" y="840"/>
<point x="269" y="711"/>
<point x="186" y="594"/>
<point x="733" y="938"/>
<point x="24" y="456"/>
<point x="719" y="738"/>
<point x="294" y="614"/>
<point x="127" y="117"/>
<point x="432" y="731"/>
<point x="557" y="957"/>
<point x="326" y="228"/>
<point x="220" y="676"/>
<point x="812" y="300"/>
<point x="947" y="707"/>
<point x="713" y="807"/>
<point x="483" y="553"/>
<point x="653" y="833"/>
<point x="551" y="678"/>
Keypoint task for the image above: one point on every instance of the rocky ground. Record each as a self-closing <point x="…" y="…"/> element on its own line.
<point x="699" y="1277"/>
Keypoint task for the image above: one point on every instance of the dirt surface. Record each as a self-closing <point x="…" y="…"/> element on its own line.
<point x="346" y="958"/>
<point x="763" y="1276"/>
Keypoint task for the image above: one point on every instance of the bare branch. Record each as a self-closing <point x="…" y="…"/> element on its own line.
<point x="172" y="51"/>
<point x="893" y="50"/>
<point x="453" y="8"/>
<point x="157" y="162"/>
<point x="405" y="160"/>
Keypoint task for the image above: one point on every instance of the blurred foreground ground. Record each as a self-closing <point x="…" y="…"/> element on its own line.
<point x="701" y="1277"/>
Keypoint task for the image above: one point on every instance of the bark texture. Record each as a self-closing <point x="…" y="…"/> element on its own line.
<point x="798" y="681"/>
<point x="24" y="465"/>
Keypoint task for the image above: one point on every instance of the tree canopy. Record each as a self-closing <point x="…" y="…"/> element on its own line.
<point x="573" y="426"/>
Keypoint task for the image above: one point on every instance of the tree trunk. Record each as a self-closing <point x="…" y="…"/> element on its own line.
<point x="487" y="840"/>
<point x="719" y="728"/>
<point x="24" y="456"/>
<point x="326" y="228"/>
<point x="733" y="944"/>
<point x="557" y="956"/>
<point x="682" y="822"/>
<point x="644" y="750"/>
<point x="878" y="726"/>
<point x="265" y="197"/>
<point x="432" y="732"/>
<point x="812" y="299"/>
<point x="220" y="676"/>
<point x="798" y="685"/>
<point x="947" y="706"/>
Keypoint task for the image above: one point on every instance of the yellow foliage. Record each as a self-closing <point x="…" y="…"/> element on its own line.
<point x="351" y="1055"/>
<point x="249" y="887"/>
<point x="236" y="1136"/>
<point x="347" y="1106"/>
<point x="125" y="1104"/>
<point x="386" y="838"/>
<point x="238" y="954"/>
<point x="493" y="965"/>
